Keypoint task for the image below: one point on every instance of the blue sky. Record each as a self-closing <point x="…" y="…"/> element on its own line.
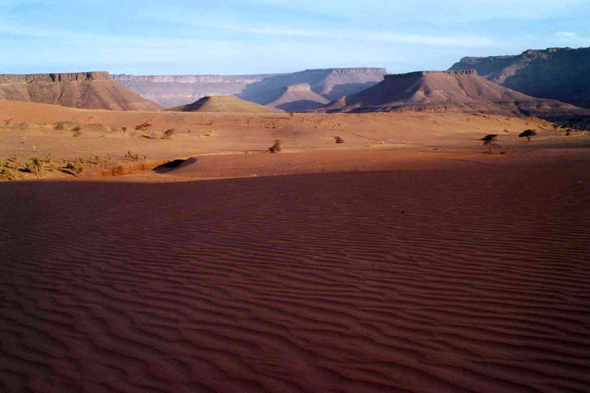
<point x="266" y="36"/>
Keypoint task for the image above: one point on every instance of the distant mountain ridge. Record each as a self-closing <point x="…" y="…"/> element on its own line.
<point x="175" y="91"/>
<point x="462" y="91"/>
<point x="88" y="90"/>
<point x="329" y="83"/>
<point x="553" y="73"/>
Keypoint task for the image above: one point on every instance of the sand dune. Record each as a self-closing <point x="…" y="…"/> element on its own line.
<point x="223" y="104"/>
<point x="469" y="279"/>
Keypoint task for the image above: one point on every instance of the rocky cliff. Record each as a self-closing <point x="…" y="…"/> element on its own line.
<point x="554" y="73"/>
<point x="11" y="79"/>
<point x="89" y="90"/>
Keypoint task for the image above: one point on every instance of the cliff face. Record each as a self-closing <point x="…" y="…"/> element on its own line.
<point x="89" y="90"/>
<point x="10" y="79"/>
<point x="554" y="73"/>
<point x="173" y="91"/>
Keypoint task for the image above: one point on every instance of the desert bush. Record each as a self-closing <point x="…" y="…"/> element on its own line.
<point x="75" y="167"/>
<point x="276" y="148"/>
<point x="35" y="166"/>
<point x="527" y="134"/>
<point x="124" y="129"/>
<point x="338" y="139"/>
<point x="143" y="126"/>
<point x="7" y="173"/>
<point x="77" y="131"/>
<point x="131" y="156"/>
<point x="168" y="134"/>
<point x="15" y="162"/>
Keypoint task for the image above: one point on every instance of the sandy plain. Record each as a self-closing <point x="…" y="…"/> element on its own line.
<point x="404" y="260"/>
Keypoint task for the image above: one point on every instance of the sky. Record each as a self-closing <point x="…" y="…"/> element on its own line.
<point x="269" y="36"/>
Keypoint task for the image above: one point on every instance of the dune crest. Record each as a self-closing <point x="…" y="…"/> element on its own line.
<point x="223" y="104"/>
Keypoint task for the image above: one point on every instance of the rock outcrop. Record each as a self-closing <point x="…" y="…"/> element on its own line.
<point x="554" y="73"/>
<point x="461" y="91"/>
<point x="89" y="90"/>
<point x="298" y="98"/>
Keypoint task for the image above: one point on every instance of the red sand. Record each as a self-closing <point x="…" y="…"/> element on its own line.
<point x="466" y="279"/>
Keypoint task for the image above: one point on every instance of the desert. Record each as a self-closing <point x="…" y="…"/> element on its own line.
<point x="406" y="258"/>
<point x="268" y="196"/>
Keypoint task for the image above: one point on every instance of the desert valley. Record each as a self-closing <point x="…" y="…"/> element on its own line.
<point x="329" y="230"/>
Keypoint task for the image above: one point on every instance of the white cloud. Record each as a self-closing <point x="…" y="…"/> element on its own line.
<point x="384" y="37"/>
<point x="565" y="34"/>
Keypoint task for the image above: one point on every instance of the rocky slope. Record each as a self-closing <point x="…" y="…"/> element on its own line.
<point x="90" y="90"/>
<point x="449" y="91"/>
<point x="298" y="98"/>
<point x="554" y="73"/>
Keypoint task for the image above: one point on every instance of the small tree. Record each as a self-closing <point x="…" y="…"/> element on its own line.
<point x="527" y="134"/>
<point x="276" y="148"/>
<point x="489" y="140"/>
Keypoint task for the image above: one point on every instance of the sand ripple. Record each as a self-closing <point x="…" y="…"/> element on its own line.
<point x="423" y="281"/>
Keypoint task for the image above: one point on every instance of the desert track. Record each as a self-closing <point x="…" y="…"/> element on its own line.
<point x="462" y="280"/>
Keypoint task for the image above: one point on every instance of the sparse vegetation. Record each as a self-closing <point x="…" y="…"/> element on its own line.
<point x="168" y="134"/>
<point x="276" y="148"/>
<point x="527" y="134"/>
<point x="131" y="156"/>
<point x="100" y="161"/>
<point x="338" y="139"/>
<point x="143" y="126"/>
<point x="6" y="172"/>
<point x="35" y="166"/>
<point x="134" y="157"/>
<point x="77" y="131"/>
<point x="489" y="141"/>
<point x="75" y="167"/>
